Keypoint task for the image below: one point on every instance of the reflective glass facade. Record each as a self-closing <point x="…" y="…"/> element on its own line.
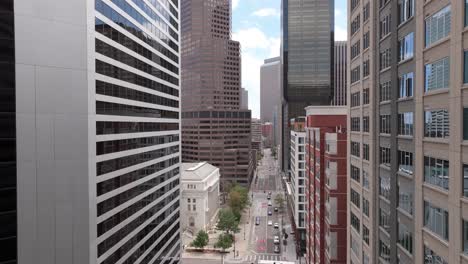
<point x="8" y="210"/>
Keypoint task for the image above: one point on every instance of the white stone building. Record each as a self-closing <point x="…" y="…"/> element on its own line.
<point x="200" y="196"/>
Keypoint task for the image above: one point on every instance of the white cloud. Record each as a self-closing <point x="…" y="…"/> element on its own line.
<point x="264" y="12"/>
<point x="338" y="12"/>
<point x="253" y="38"/>
<point x="340" y="33"/>
<point x="235" y="3"/>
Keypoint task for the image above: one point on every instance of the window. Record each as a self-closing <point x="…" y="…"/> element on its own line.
<point x="437" y="74"/>
<point x="430" y="257"/>
<point x="385" y="59"/>
<point x="384" y="186"/>
<point x="385" y="91"/>
<point x="438" y="26"/>
<point x="465" y="180"/>
<point x="366" y="12"/>
<point x="355" y="173"/>
<point x="436" y="220"/>
<point x="406" y="47"/>
<point x="405" y="238"/>
<point x="365" y="179"/>
<point x="365" y="68"/>
<point x="436" y="124"/>
<point x="365" y="151"/>
<point x="365" y="234"/>
<point x="365" y="124"/>
<point x="465" y="123"/>
<point x="365" y="40"/>
<point x="436" y="172"/>
<point x="466" y="13"/>
<point x="356" y="74"/>
<point x="355" y="124"/>
<point x="405" y="124"/>
<point x="385" y="124"/>
<point x="355" y="49"/>
<point x="385" y="26"/>
<point x="355" y="24"/>
<point x="385" y="156"/>
<point x="405" y="161"/>
<point x="465" y="235"/>
<point x="384" y="220"/>
<point x="354" y="4"/>
<point x="383" y="2"/>
<point x="365" y="96"/>
<point x="355" y="222"/>
<point x="365" y="206"/>
<point x="405" y="198"/>
<point x="384" y="251"/>
<point x="355" y="198"/>
<point x="406" y="82"/>
<point x="355" y="149"/>
<point x="465" y="65"/>
<point x="355" y="99"/>
<point x="405" y="10"/>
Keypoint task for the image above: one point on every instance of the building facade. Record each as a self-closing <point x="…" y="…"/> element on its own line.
<point x="90" y="94"/>
<point x="270" y="88"/>
<point x="244" y="100"/>
<point x="256" y="134"/>
<point x="340" y="73"/>
<point x="307" y="47"/>
<point x="408" y="130"/>
<point x="297" y="199"/>
<point x="267" y="134"/>
<point x="326" y="184"/>
<point x="214" y="127"/>
<point x="199" y="196"/>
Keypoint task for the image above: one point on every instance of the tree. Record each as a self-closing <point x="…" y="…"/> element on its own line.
<point x="201" y="240"/>
<point x="227" y="221"/>
<point x="238" y="199"/>
<point x="279" y="200"/>
<point x="224" y="241"/>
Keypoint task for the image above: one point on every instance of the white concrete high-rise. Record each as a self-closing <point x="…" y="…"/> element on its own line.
<point x="270" y="88"/>
<point x="96" y="88"/>
<point x="244" y="99"/>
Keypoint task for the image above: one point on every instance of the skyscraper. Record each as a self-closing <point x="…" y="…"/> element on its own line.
<point x="244" y="100"/>
<point x="90" y="92"/>
<point x="408" y="118"/>
<point x="340" y="73"/>
<point x="307" y="60"/>
<point x="214" y="128"/>
<point x="270" y="88"/>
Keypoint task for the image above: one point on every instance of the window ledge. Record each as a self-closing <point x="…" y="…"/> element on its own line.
<point x="435" y="188"/>
<point x="464" y="143"/>
<point x="385" y="102"/>
<point x="464" y="256"/>
<point x="437" y="43"/>
<point x="402" y="24"/>
<point x="403" y="212"/>
<point x="406" y="175"/>
<point x="385" y="69"/>
<point x="405" y="60"/>
<point x="436" y="92"/>
<point x="404" y="250"/>
<point x="435" y="236"/>
<point x="385" y="37"/>
<point x="405" y="137"/>
<point x="464" y="199"/>
<point x="464" y="86"/>
<point x="404" y="99"/>
<point x="436" y="140"/>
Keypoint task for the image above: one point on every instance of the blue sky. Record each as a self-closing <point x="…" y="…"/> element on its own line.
<point x="256" y="24"/>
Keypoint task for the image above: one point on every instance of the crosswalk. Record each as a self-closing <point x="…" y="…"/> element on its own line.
<point x="255" y="258"/>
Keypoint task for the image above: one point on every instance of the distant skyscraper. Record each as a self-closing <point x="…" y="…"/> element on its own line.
<point x="214" y="127"/>
<point x="89" y="132"/>
<point x="307" y="60"/>
<point x="244" y="100"/>
<point x="340" y="73"/>
<point x="256" y="134"/>
<point x="270" y="88"/>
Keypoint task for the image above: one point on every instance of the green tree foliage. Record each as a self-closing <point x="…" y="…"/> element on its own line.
<point x="238" y="200"/>
<point x="279" y="200"/>
<point x="224" y="241"/>
<point x="228" y="221"/>
<point x="201" y="240"/>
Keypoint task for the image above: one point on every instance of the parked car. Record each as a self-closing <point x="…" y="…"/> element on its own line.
<point x="257" y="220"/>
<point x="269" y="203"/>
<point x="277" y="249"/>
<point x="276" y="225"/>
<point x="269" y="212"/>
<point x="268" y="197"/>
<point x="276" y="209"/>
<point x="269" y="193"/>
<point x="276" y="240"/>
<point x="270" y="222"/>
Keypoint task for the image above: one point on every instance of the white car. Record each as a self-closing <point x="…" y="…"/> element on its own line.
<point x="270" y="223"/>
<point x="269" y="203"/>
<point x="276" y="225"/>
<point x="276" y="240"/>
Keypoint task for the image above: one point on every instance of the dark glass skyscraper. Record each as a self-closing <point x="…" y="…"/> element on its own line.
<point x="307" y="45"/>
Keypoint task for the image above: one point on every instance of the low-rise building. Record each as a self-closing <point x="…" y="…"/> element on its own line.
<point x="200" y="196"/>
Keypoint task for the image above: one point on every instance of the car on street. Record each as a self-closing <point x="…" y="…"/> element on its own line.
<point x="269" y="193"/>
<point x="270" y="222"/>
<point x="276" y="240"/>
<point x="276" y="225"/>
<point x="276" y="209"/>
<point x="268" y="197"/>
<point x="269" y="203"/>
<point x="269" y="212"/>
<point x="277" y="249"/>
<point x="257" y="220"/>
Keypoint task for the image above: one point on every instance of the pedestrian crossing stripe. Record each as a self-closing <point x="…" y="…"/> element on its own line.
<point x="253" y="258"/>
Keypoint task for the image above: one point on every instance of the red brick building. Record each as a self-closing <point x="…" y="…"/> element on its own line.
<point x="326" y="184"/>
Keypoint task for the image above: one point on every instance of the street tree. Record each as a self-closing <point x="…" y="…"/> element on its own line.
<point x="227" y="221"/>
<point x="279" y="200"/>
<point x="238" y="199"/>
<point x="201" y="240"/>
<point x="224" y="241"/>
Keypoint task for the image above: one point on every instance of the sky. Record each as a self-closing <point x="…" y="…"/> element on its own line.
<point x="256" y="25"/>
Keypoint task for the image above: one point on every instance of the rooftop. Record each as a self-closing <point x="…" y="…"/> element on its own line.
<point x="196" y="170"/>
